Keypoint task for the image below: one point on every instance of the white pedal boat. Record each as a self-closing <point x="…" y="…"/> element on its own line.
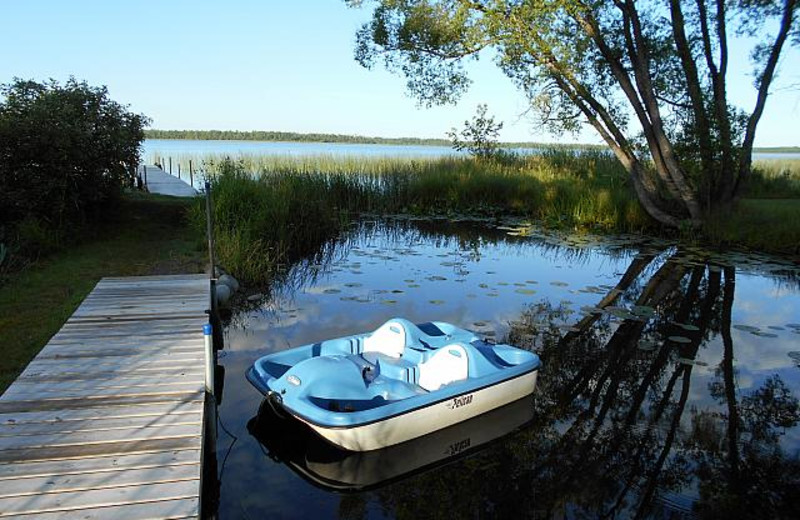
<point x="373" y="390"/>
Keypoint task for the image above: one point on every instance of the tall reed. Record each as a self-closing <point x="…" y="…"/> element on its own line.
<point x="271" y="210"/>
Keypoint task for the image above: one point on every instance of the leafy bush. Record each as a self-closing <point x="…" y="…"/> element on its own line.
<point x="65" y="151"/>
<point x="479" y="136"/>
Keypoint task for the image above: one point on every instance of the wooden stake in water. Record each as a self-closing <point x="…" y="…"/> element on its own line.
<point x="170" y="165"/>
<point x="191" y="174"/>
<point x="179" y="170"/>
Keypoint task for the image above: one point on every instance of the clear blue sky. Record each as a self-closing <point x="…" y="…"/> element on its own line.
<point x="277" y="65"/>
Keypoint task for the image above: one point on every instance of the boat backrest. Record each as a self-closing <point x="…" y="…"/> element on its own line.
<point x="447" y="365"/>
<point x="389" y="339"/>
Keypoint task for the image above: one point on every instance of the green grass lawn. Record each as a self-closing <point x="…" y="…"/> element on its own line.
<point x="146" y="235"/>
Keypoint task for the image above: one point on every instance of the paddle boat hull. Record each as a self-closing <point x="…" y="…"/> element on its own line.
<point x="369" y="391"/>
<point x="291" y="442"/>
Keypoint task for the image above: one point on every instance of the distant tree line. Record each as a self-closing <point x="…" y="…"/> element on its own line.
<point x="66" y="152"/>
<point x="259" y="135"/>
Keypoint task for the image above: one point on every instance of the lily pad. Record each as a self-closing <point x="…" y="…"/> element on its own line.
<point x="763" y="334"/>
<point x="331" y="291"/>
<point x="525" y="291"/>
<point x="687" y="327"/>
<point x="569" y="328"/>
<point x="795" y="355"/>
<point x="619" y="313"/>
<point x="559" y="284"/>
<point x="479" y="323"/>
<point x="388" y="302"/>
<point x="643" y="310"/>
<point x="436" y="302"/>
<point x="746" y="328"/>
<point x="353" y="284"/>
<point x="695" y="362"/>
<point x="413" y="285"/>
<point x="679" y="339"/>
<point x="647" y="345"/>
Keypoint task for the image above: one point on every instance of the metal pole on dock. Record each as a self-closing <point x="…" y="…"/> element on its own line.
<point x="209" y="343"/>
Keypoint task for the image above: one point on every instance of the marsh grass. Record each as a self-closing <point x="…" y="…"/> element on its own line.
<point x="271" y="210"/>
<point x="760" y="224"/>
<point x="775" y="179"/>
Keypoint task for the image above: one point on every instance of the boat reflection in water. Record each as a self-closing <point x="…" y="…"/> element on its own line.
<point x="289" y="441"/>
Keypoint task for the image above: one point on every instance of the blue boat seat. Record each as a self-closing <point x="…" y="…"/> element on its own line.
<point x="447" y="365"/>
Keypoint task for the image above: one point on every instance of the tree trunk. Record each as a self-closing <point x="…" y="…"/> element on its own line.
<point x="746" y="160"/>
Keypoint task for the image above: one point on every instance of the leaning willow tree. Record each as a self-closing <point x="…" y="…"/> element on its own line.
<point x="649" y="75"/>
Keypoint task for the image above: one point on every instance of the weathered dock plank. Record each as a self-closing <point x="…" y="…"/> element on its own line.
<point x="107" y="421"/>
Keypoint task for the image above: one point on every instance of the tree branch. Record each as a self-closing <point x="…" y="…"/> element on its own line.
<point x="726" y="177"/>
<point x="746" y="160"/>
<point x="693" y="83"/>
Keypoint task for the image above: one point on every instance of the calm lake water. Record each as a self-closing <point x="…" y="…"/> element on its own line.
<point x="669" y="385"/>
<point x="179" y="147"/>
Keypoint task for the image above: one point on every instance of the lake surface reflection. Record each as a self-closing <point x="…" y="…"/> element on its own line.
<point x="669" y="385"/>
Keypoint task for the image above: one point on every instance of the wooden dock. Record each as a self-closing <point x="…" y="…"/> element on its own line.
<point x="160" y="182"/>
<point x="107" y="421"/>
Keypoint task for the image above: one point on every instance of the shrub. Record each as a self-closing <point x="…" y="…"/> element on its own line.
<point x="65" y="151"/>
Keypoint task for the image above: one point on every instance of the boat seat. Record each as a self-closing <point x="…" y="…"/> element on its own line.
<point x="389" y="340"/>
<point x="447" y="365"/>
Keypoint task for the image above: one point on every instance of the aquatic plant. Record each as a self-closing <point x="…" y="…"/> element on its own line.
<point x="271" y="210"/>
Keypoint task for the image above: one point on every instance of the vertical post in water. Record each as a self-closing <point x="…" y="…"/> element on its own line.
<point x="179" y="170"/>
<point x="209" y="344"/>
<point x="170" y="165"/>
<point x="191" y="174"/>
<point x="144" y="168"/>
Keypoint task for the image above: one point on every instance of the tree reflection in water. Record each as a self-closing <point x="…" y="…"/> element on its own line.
<point x="612" y="433"/>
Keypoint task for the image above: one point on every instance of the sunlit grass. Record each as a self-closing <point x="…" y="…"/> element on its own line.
<point x="775" y="179"/>
<point x="760" y="224"/>
<point x="271" y="209"/>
